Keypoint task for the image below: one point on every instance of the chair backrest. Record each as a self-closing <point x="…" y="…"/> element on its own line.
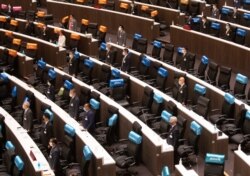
<point x="240" y="36"/>
<point x="195" y="23"/>
<point x="168" y="53"/>
<point x="134" y="145"/>
<point x="84" y="26"/>
<point x="4" y="88"/>
<point x="203" y="66"/>
<point x="165" y="171"/>
<point x="215" y="29"/>
<point x="117" y="91"/>
<point x="147" y="97"/>
<point x="105" y="73"/>
<point x="161" y="78"/>
<point x="199" y="90"/>
<point x="245" y="19"/>
<point x="214" y="164"/>
<point x="84" y="95"/>
<point x="93" y="28"/>
<point x="9" y="155"/>
<point x="95" y="106"/>
<point x="157" y="104"/>
<point x="136" y="127"/>
<point x="194" y="7"/>
<point x="224" y="77"/>
<point x="86" y="158"/>
<point x="156" y="49"/>
<point x="246" y="123"/>
<point x="240" y="84"/>
<point x="87" y="69"/>
<point x="194" y="135"/>
<point x="181" y="123"/>
<point x="171" y="107"/>
<point x="135" y="38"/>
<point x="228" y="106"/>
<point x="142" y="45"/>
<point x="68" y="85"/>
<point x="165" y="121"/>
<point x="203" y="105"/>
<point x="212" y="71"/>
<point x="226" y="13"/>
<point x="153" y="71"/>
<point x="144" y="64"/>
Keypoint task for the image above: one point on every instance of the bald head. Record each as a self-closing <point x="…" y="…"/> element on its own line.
<point x="173" y="120"/>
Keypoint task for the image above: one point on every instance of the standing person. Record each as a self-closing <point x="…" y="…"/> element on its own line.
<point x="215" y="12"/>
<point x="111" y="54"/>
<point x="228" y="33"/>
<point x="133" y="7"/>
<point x="121" y="36"/>
<point x="126" y="61"/>
<point x="173" y="137"/>
<point x="181" y="91"/>
<point x="46" y="131"/>
<point x="72" y="24"/>
<point x="50" y="93"/>
<point x="27" y="117"/>
<point x="54" y="157"/>
<point x="205" y="24"/>
<point x="61" y="39"/>
<point x="73" y="104"/>
<point x="88" y="118"/>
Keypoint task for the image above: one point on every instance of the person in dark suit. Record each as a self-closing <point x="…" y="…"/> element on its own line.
<point x="88" y="118"/>
<point x="54" y="157"/>
<point x="126" y="61"/>
<point x="229" y="34"/>
<point x="50" y="93"/>
<point x="111" y="54"/>
<point x="184" y="61"/>
<point x="181" y="91"/>
<point x="121" y="36"/>
<point x="29" y="28"/>
<point x="73" y="104"/>
<point x="205" y="24"/>
<point x="27" y="117"/>
<point x="44" y="33"/>
<point x="73" y="64"/>
<point x="46" y="130"/>
<point x="235" y="17"/>
<point x="215" y="12"/>
<point x="173" y="137"/>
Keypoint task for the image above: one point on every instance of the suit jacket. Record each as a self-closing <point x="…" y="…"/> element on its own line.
<point x="88" y="120"/>
<point x="46" y="133"/>
<point x="30" y="28"/>
<point x="54" y="160"/>
<point x="50" y="93"/>
<point x="182" y="94"/>
<point x="28" y="120"/>
<point x="126" y="62"/>
<point x="184" y="64"/>
<point x="110" y="58"/>
<point x="121" y="38"/>
<point x="204" y="28"/>
<point x="173" y="136"/>
<point x="74" y="107"/>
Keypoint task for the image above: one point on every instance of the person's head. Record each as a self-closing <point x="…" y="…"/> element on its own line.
<point x="72" y="93"/>
<point x="121" y="28"/>
<point x="173" y="120"/>
<point x="86" y="107"/>
<point x="26" y="105"/>
<point x="181" y="81"/>
<point x="125" y="51"/>
<point x="214" y="6"/>
<point x="108" y="46"/>
<point x="46" y="117"/>
<point x="184" y="50"/>
<point x="53" y="142"/>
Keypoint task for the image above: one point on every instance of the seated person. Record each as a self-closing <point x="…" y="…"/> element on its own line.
<point x="88" y="118"/>
<point x="27" y="117"/>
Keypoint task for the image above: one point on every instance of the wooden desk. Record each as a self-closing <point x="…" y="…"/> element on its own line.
<point x="241" y="163"/>
<point x="112" y="19"/>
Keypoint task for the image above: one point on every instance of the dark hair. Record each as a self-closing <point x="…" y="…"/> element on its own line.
<point x="46" y="115"/>
<point x="126" y="50"/>
<point x="53" y="140"/>
<point x="121" y="26"/>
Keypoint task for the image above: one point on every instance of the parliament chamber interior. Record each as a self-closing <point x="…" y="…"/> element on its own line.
<point x="124" y="88"/>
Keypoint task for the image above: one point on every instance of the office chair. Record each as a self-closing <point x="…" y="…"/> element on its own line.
<point x="200" y="72"/>
<point x="179" y="56"/>
<point x="154" y="110"/>
<point x="86" y="67"/>
<point x="194" y="8"/>
<point x="124" y="8"/>
<point x="136" y="37"/>
<point x="104" y="77"/>
<point x="165" y="171"/>
<point x="84" y="26"/>
<point x="143" y="67"/>
<point x="118" y="92"/>
<point x="245" y="20"/>
<point x="145" y="11"/>
<point x="246" y="4"/>
<point x="84" y="96"/>
<point x="16" y="44"/>
<point x="199" y="90"/>
<point x="13" y="62"/>
<point x="31" y="50"/>
<point x="67" y="146"/>
<point x="95" y="106"/>
<point x="184" y="5"/>
<point x="212" y="73"/>
<point x="188" y="148"/>
<point x="13" y="26"/>
<point x="3" y="20"/>
<point x="153" y="70"/>
<point x="8" y="157"/>
<point x="102" y="34"/>
<point x="8" y="38"/>
<point x="18" y="166"/>
<point x="102" y="52"/>
<point x="74" y="41"/>
<point x="195" y="23"/>
<point x="225" y="13"/>
<point x="226" y="111"/>
<point x="161" y="78"/>
<point x="4" y="86"/>
<point x="145" y="103"/>
<point x="168" y="54"/>
<point x="93" y="29"/>
<point x="163" y="26"/>
<point x="156" y="51"/>
<point x="240" y="86"/>
<point x="214" y="164"/>
<point x="30" y="15"/>
<point x="9" y="103"/>
<point x="240" y="36"/>
<point x="224" y="78"/>
<point x="142" y="45"/>
<point x="22" y="15"/>
<point x="202" y="106"/>
<point x="215" y="29"/>
<point x="4" y="59"/>
<point x="131" y="156"/>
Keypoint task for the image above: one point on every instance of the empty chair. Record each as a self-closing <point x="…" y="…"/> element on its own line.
<point x="179" y="55"/>
<point x="124" y="7"/>
<point x="200" y="72"/>
<point x="92" y="29"/>
<point x="145" y="102"/>
<point x="8" y="38"/>
<point x="224" y="78"/>
<point x="240" y="86"/>
<point x="184" y="5"/>
<point x="194" y="8"/>
<point x="156" y="51"/>
<point x="3" y="21"/>
<point x="104" y="77"/>
<point x="18" y="166"/>
<point x="144" y="65"/>
<point x="215" y="29"/>
<point x="240" y="36"/>
<point x="161" y="78"/>
<point x="212" y="73"/>
<point x="74" y="41"/>
<point x="31" y="50"/>
<point x="142" y="45"/>
<point x="168" y="54"/>
<point x="199" y="90"/>
<point x="202" y="106"/>
<point x="245" y="20"/>
<point x="135" y="40"/>
<point x="103" y="52"/>
<point x="13" y="25"/>
<point x="195" y="23"/>
<point x="188" y="148"/>
<point x="85" y="70"/>
<point x="173" y="4"/>
<point x="4" y="81"/>
<point x="153" y="71"/>
<point x="226" y="13"/>
<point x="13" y="62"/>
<point x="214" y="164"/>
<point x="110" y="5"/>
<point x="102" y="33"/>
<point x="16" y="44"/>
<point x="30" y="15"/>
<point x="226" y="111"/>
<point x="246" y="4"/>
<point x="84" y="26"/>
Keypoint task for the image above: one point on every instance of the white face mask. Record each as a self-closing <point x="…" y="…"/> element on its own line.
<point x="85" y="109"/>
